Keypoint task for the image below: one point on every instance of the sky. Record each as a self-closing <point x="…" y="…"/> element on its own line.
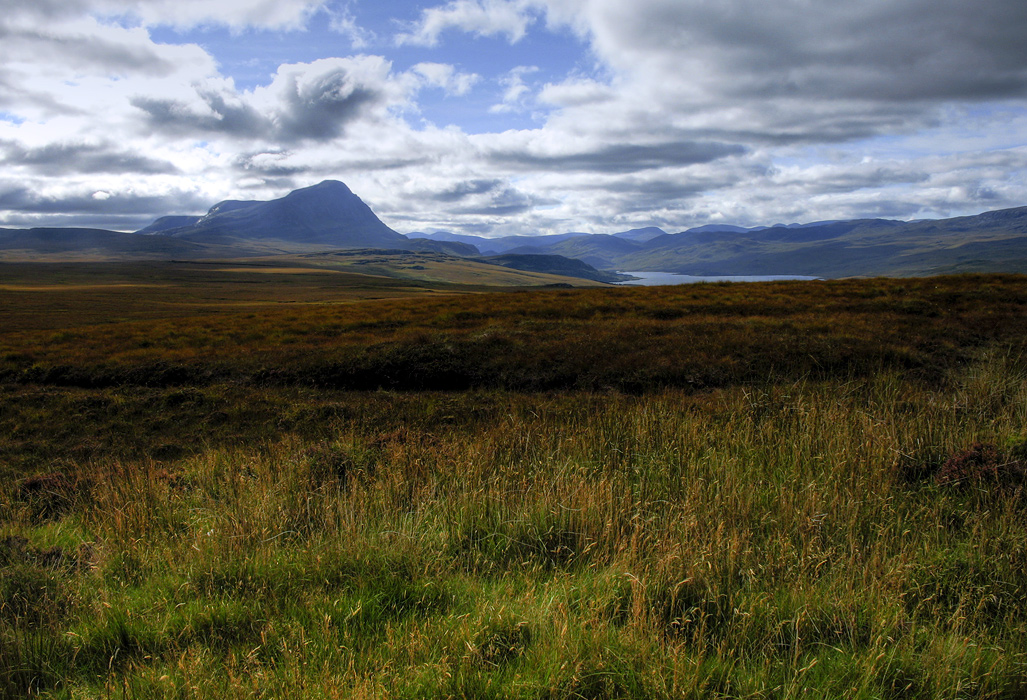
<point x="499" y="117"/>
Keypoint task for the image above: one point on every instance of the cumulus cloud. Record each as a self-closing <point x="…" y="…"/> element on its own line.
<point x="317" y="100"/>
<point x="62" y="159"/>
<point x="210" y="111"/>
<point x="742" y="54"/>
<point x="75" y="47"/>
<point x="510" y="18"/>
<point x="576" y="93"/>
<point x="268" y="14"/>
<point x="304" y="102"/>
<point x="81" y="204"/>
<point x="462" y="190"/>
<point x="621" y="158"/>
<point x="277" y="14"/>
<point x="343" y="22"/>
<point x="445" y="76"/>
<point x="517" y="90"/>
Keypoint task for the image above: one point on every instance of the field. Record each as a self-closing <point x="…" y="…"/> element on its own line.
<point x="233" y="484"/>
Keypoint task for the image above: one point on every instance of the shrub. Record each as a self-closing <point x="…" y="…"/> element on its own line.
<point x="981" y="463"/>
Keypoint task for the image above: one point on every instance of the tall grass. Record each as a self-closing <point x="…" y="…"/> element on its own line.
<point x="776" y="539"/>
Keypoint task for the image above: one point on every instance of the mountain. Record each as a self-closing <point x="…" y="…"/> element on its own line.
<point x="424" y="245"/>
<point x="95" y="244"/>
<point x="327" y="214"/>
<point x="720" y="228"/>
<point x="641" y="234"/>
<point x="496" y="246"/>
<point x="991" y="242"/>
<point x="532" y="244"/>
<point x="167" y="223"/>
<point x="599" y="250"/>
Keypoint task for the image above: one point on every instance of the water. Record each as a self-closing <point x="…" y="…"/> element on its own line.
<point x="652" y="279"/>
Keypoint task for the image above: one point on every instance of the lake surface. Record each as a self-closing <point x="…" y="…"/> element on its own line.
<point x="652" y="279"/>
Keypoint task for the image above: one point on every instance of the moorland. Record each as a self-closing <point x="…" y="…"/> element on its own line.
<point x="305" y="480"/>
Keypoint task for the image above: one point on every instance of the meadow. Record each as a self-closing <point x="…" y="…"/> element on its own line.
<point x="237" y="485"/>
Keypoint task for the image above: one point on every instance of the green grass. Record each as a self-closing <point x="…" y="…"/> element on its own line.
<point x="780" y="535"/>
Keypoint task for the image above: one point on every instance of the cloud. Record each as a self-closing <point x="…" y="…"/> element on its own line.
<point x="269" y="163"/>
<point x="304" y="102"/>
<point x="62" y="159"/>
<point x="516" y="89"/>
<point x="81" y="204"/>
<point x="464" y="189"/>
<point x="501" y="202"/>
<point x="74" y="47"/>
<point x="211" y="111"/>
<point x="445" y="76"/>
<point x="268" y="14"/>
<point x="317" y="100"/>
<point x="816" y="50"/>
<point x="265" y="14"/>
<point x="576" y="93"/>
<point x="343" y="22"/>
<point x="622" y="158"/>
<point x="478" y="17"/>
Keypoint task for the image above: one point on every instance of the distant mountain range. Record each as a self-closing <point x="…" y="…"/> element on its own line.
<point x="329" y="216"/>
<point x="994" y="241"/>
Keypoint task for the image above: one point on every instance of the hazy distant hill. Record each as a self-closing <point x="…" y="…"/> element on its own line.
<point x="423" y="245"/>
<point x="554" y="265"/>
<point x="85" y="243"/>
<point x="496" y="246"/>
<point x="166" y="223"/>
<point x="599" y="250"/>
<point x="641" y="234"/>
<point x="994" y="241"/>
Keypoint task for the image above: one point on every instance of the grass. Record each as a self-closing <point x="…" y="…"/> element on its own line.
<point x="631" y="340"/>
<point x="787" y="531"/>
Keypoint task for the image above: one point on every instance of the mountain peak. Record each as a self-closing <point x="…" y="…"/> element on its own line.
<point x="327" y="213"/>
<point x="324" y="187"/>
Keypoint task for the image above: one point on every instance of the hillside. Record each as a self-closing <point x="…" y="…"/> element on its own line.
<point x="42" y="244"/>
<point x="554" y="265"/>
<point x="993" y="241"/>
<point x="990" y="242"/>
